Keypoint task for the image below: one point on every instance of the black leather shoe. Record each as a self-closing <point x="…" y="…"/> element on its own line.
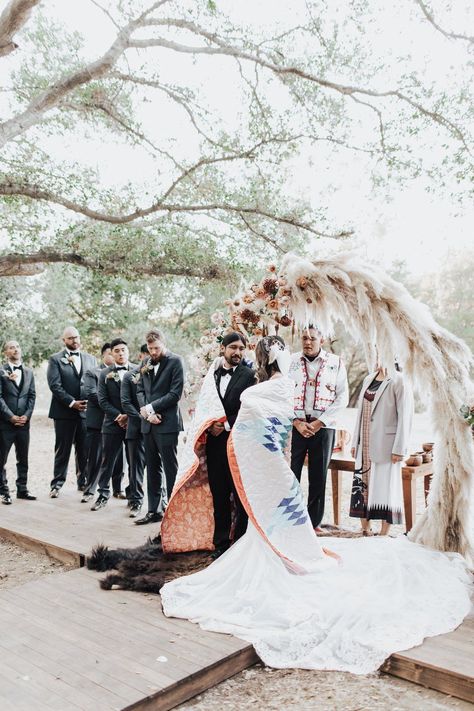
<point x="99" y="504"/>
<point x="150" y="517"/>
<point x="81" y="487"/>
<point x="86" y="498"/>
<point x="135" y="510"/>
<point x="6" y="499"/>
<point x="54" y="493"/>
<point x="25" y="495"/>
<point x="119" y="495"/>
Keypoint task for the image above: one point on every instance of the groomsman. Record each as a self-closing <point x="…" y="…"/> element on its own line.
<point x="321" y="392"/>
<point x="159" y="391"/>
<point x="68" y="408"/>
<point x="114" y="427"/>
<point x="133" y="439"/>
<point x="17" y="401"/>
<point x="94" y="421"/>
<point x="232" y="378"/>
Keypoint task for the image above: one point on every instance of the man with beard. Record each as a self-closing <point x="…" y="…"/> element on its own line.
<point x="159" y="391"/>
<point x="68" y="408"/>
<point x="321" y="392"/>
<point x="232" y="378"/>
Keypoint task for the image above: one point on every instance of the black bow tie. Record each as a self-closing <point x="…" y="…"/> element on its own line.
<point x="121" y="367"/>
<point x="225" y="371"/>
<point x="17" y="367"/>
<point x="75" y="353"/>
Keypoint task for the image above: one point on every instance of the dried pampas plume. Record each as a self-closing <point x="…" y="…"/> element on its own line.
<point x="380" y="312"/>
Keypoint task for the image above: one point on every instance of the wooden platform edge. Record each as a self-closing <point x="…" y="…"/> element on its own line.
<point x="64" y="555"/>
<point x="198" y="682"/>
<point x="430" y="676"/>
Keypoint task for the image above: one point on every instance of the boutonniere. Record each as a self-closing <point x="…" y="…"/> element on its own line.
<point x="67" y="360"/>
<point x="113" y="375"/>
<point x="135" y="377"/>
<point x="11" y="375"/>
<point x="147" y="368"/>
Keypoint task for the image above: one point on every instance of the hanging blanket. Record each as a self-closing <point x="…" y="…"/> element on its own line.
<point x="265" y="483"/>
<point x="188" y="523"/>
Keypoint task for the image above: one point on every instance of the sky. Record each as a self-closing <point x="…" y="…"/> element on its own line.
<point x="411" y="224"/>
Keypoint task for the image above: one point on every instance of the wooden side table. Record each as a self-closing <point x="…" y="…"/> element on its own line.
<point x="409" y="477"/>
<point x="341" y="463"/>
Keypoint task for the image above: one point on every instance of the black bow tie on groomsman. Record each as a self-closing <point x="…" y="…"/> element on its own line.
<point x="17" y="367"/>
<point x="121" y="367"/>
<point x="74" y="353"/>
<point x="225" y="371"/>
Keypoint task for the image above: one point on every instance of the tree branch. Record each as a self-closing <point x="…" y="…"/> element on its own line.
<point x="51" y="97"/>
<point x="430" y="17"/>
<point x="12" y="19"/>
<point x="37" y="193"/>
<point x="221" y="47"/>
<point x="19" y="264"/>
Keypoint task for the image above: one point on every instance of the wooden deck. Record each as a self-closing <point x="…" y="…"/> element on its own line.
<point x="66" y="644"/>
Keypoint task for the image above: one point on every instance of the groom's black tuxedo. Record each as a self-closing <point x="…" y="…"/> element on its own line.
<point x="66" y="385"/>
<point x="15" y="400"/>
<point x="163" y="392"/>
<point x="219" y="475"/>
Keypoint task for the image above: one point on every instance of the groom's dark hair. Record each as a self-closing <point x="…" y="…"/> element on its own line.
<point x="154" y="335"/>
<point x="232" y="337"/>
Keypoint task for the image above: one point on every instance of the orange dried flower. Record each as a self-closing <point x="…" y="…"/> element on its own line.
<point x="302" y="282"/>
<point x="273" y="304"/>
<point x="248" y="298"/>
<point x="309" y="301"/>
<point x="272" y="268"/>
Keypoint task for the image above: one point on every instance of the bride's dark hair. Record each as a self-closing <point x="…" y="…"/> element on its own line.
<point x="265" y="369"/>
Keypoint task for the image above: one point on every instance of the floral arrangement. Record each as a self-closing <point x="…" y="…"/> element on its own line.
<point x="113" y="375"/>
<point x="257" y="310"/>
<point x="467" y="413"/>
<point x="10" y="374"/>
<point x="147" y="368"/>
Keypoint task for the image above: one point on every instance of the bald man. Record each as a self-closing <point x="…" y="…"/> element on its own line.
<point x="66" y="371"/>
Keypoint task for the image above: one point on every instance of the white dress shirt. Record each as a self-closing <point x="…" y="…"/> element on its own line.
<point x="17" y="373"/>
<point x="76" y="360"/>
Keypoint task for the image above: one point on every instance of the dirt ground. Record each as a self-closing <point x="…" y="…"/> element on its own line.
<point x="258" y="688"/>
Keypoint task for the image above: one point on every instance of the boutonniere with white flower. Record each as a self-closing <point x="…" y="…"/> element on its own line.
<point x="147" y="368"/>
<point x="135" y="377"/>
<point x="10" y="374"/>
<point x="113" y="375"/>
<point x="67" y="360"/>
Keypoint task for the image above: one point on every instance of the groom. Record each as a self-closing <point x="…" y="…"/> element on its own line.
<point x="232" y="378"/>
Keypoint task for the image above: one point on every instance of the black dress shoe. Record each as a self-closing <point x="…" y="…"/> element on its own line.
<point x="81" y="487"/>
<point x="54" y="493"/>
<point x="6" y="499"/>
<point x="150" y="517"/>
<point x="119" y="495"/>
<point x="100" y="503"/>
<point x="135" y="510"/>
<point x="86" y="498"/>
<point x="25" y="495"/>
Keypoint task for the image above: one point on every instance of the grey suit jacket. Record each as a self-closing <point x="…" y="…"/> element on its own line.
<point x="16" y="400"/>
<point x="94" y="413"/>
<point x="163" y="393"/>
<point x="109" y="399"/>
<point x="66" y="384"/>
<point x="131" y="407"/>
<point x="391" y="420"/>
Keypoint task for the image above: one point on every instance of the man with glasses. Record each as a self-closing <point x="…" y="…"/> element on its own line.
<point x="321" y="392"/>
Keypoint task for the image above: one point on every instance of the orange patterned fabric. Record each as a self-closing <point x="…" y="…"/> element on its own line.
<point x="188" y="523"/>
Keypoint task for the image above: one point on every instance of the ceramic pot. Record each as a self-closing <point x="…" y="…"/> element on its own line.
<point x="414" y="460"/>
<point x="428" y="446"/>
<point x="427" y="457"/>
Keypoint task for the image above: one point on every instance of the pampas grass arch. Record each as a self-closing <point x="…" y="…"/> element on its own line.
<point x="386" y="320"/>
<point x="381" y="314"/>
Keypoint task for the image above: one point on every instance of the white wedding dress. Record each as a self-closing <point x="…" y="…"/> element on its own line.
<point x="276" y="588"/>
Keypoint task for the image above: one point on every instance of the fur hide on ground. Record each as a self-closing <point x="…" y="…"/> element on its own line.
<point x="144" y="569"/>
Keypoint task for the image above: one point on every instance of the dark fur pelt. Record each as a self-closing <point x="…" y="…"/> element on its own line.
<point x="144" y="569"/>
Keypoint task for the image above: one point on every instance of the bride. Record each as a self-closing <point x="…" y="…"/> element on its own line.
<point x="299" y="603"/>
